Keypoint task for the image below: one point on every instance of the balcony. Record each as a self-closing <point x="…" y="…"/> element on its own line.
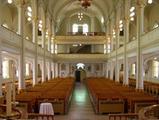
<point x="81" y="58"/>
<point x="149" y="44"/>
<point x="11" y="43"/>
<point x="81" y="38"/>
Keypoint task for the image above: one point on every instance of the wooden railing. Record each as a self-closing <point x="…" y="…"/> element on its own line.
<point x="37" y="116"/>
<point x="16" y="114"/>
<point x="86" y="33"/>
<point x="149" y="113"/>
<point x="127" y="116"/>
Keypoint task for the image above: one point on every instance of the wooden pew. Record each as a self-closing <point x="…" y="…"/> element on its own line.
<point x="123" y="116"/>
<point x="105" y="93"/>
<point x="58" y="92"/>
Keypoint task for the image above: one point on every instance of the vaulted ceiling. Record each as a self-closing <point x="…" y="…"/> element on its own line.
<point x="66" y="8"/>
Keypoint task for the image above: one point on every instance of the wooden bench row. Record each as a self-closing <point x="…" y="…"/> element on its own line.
<point x="149" y="87"/>
<point x="28" y="84"/>
<point x="58" y="92"/>
<point x="110" y="97"/>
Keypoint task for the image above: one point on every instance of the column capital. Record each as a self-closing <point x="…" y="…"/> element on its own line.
<point x="43" y="29"/>
<point x="20" y="3"/>
<point x="141" y="3"/>
<point x="126" y="19"/>
<point x="117" y="27"/>
<point x="35" y="19"/>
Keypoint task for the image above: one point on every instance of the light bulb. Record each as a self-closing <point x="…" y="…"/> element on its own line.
<point x="10" y="1"/>
<point x="132" y="9"/>
<point x="132" y="14"/>
<point x="132" y="18"/>
<point x="150" y="1"/>
<point x="29" y="9"/>
<point x="121" y="22"/>
<point x="40" y="26"/>
<point x="29" y="19"/>
<point x="121" y="25"/>
<point x="40" y="22"/>
<point x="29" y="14"/>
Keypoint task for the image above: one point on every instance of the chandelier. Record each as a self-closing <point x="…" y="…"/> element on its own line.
<point x="85" y="3"/>
<point x="80" y="16"/>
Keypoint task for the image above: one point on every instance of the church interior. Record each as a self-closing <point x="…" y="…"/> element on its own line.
<point x="79" y="59"/>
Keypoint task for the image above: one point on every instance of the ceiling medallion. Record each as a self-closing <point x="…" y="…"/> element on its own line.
<point x="85" y="3"/>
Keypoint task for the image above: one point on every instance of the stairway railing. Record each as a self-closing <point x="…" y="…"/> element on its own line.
<point x="16" y="114"/>
<point x="149" y="113"/>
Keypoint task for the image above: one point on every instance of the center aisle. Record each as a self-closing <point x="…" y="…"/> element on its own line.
<point x="81" y="107"/>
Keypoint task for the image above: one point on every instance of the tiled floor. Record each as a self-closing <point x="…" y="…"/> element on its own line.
<point x="81" y="107"/>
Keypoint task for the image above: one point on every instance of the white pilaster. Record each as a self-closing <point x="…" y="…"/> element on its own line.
<point x="8" y="98"/>
<point x="53" y="70"/>
<point x="22" y="51"/>
<point x="111" y="35"/>
<point x="117" y="31"/>
<point x="44" y="57"/>
<point x="12" y="76"/>
<point x="140" y="21"/>
<point x="92" y="24"/>
<point x="49" y="42"/>
<point x="126" y="39"/>
<point x="107" y="70"/>
<point x="35" y="40"/>
<point x="1" y="78"/>
<point x="112" y="70"/>
<point x="56" y="70"/>
<point x="49" y="70"/>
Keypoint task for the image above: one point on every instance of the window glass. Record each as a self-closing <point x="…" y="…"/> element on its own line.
<point x="5" y="69"/>
<point x="80" y="28"/>
<point x="27" y="69"/>
<point x="155" y="68"/>
<point x="75" y="28"/>
<point x="133" y="69"/>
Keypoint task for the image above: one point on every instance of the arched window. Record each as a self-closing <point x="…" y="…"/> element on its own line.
<point x="80" y="28"/>
<point x="85" y="28"/>
<point x="27" y="69"/>
<point x="75" y="28"/>
<point x="155" y="69"/>
<point x="5" y="69"/>
<point x="109" y="48"/>
<point x="133" y="69"/>
<point x="80" y="65"/>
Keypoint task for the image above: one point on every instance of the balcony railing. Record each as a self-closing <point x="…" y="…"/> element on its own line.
<point x="149" y="42"/>
<point x="86" y="33"/>
<point x="11" y="42"/>
<point x="9" y="37"/>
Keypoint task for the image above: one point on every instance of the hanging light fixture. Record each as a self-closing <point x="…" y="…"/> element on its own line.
<point x="85" y="3"/>
<point x="80" y="16"/>
<point x="132" y="13"/>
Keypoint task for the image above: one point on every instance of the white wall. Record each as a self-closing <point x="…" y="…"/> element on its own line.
<point x="91" y="69"/>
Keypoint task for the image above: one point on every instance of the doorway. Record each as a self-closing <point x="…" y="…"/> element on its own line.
<point x="80" y="73"/>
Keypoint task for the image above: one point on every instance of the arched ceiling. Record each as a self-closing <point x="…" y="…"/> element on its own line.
<point x="65" y="8"/>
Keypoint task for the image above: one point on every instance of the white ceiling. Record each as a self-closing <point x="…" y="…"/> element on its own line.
<point x="66" y="8"/>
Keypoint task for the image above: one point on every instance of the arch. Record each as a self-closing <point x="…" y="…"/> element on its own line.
<point x="80" y="72"/>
